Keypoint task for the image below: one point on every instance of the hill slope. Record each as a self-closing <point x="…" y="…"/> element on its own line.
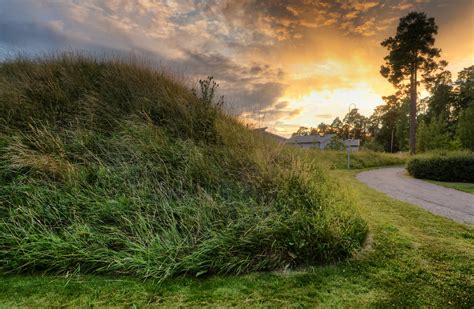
<point x="110" y="167"/>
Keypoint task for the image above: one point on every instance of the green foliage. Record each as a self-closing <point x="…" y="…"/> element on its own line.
<point x="335" y="144"/>
<point x="464" y="90"/>
<point x="208" y="88"/>
<point x="354" y="125"/>
<point x="415" y="36"/>
<point x="442" y="100"/>
<point x="433" y="135"/>
<point x="444" y="121"/>
<point x="411" y="52"/>
<point x="465" y="131"/>
<point x="373" y="145"/>
<point x="113" y="167"/>
<point x="389" y="124"/>
<point x="412" y="259"/>
<point x="443" y="167"/>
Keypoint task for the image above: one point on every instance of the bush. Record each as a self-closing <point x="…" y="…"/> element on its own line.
<point x="373" y="145"/>
<point x="112" y="167"/>
<point x="457" y="167"/>
<point x="335" y="143"/>
<point x="465" y="131"/>
<point x="432" y="135"/>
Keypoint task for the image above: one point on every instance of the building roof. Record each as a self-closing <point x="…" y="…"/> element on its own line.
<point x="352" y="142"/>
<point x="272" y="136"/>
<point x="309" y="139"/>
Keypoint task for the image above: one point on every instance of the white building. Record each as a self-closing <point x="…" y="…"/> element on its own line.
<point x="269" y="135"/>
<point x="354" y="144"/>
<point x="320" y="142"/>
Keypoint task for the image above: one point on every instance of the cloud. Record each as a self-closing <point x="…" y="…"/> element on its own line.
<point x="404" y="5"/>
<point x="281" y="104"/>
<point x="325" y="116"/>
<point x="264" y="53"/>
<point x="364" y="6"/>
<point x="252" y="99"/>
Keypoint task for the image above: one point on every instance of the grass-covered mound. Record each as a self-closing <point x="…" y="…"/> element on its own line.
<point x="454" y="167"/>
<point x="109" y="167"/>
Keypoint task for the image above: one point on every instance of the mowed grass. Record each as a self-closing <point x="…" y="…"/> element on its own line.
<point x="461" y="186"/>
<point x="412" y="259"/>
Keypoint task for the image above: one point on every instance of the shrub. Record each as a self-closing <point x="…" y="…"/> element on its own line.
<point x="335" y="143"/>
<point x="373" y="145"/>
<point x="432" y="135"/>
<point x="465" y="129"/>
<point x="449" y="167"/>
<point x="112" y="167"/>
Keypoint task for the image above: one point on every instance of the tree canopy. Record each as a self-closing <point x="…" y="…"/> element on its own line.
<point x="412" y="50"/>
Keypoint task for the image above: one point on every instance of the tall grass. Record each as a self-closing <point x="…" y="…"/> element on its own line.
<point x="113" y="167"/>
<point x="361" y="159"/>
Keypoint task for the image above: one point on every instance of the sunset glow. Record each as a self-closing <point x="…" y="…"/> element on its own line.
<point x="281" y="64"/>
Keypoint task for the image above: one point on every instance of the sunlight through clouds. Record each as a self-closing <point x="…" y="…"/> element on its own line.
<point x="317" y="56"/>
<point x="316" y="104"/>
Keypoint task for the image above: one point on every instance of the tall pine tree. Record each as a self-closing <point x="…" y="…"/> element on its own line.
<point x="411" y="51"/>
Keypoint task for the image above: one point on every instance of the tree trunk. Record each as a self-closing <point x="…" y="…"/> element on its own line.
<point x="391" y="142"/>
<point x="413" y="112"/>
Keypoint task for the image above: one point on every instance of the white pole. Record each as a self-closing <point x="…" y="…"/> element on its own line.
<point x="349" y="141"/>
<point x="348" y="155"/>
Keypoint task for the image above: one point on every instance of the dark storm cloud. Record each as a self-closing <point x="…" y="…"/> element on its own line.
<point x="247" y="87"/>
<point x="261" y="96"/>
<point x="289" y="19"/>
<point x="174" y="34"/>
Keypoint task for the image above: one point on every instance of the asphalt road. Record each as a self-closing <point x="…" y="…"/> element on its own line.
<point x="450" y="203"/>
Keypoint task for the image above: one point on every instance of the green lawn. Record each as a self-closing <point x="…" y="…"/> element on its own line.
<point x="413" y="258"/>
<point x="461" y="186"/>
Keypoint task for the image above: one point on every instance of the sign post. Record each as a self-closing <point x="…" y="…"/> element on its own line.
<point x="348" y="154"/>
<point x="349" y="141"/>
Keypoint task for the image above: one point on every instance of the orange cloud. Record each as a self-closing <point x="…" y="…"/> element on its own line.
<point x="280" y="61"/>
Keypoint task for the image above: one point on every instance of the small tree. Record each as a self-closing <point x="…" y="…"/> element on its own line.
<point x="433" y="135"/>
<point x="302" y="131"/>
<point x="441" y="101"/>
<point x="410" y="51"/>
<point x="335" y="144"/>
<point x="465" y="131"/>
<point x="464" y="90"/>
<point x="355" y="125"/>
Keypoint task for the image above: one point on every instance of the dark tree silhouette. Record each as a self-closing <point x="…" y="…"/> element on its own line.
<point x="411" y="50"/>
<point x="465" y="89"/>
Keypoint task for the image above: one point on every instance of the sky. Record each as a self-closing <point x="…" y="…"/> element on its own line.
<point x="280" y="63"/>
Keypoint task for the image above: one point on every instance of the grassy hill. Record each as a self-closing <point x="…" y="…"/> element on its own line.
<point x="115" y="168"/>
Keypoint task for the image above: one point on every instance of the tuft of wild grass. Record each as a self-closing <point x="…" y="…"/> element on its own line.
<point x="113" y="167"/>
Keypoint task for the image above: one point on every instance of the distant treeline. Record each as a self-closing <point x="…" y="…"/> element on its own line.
<point x="445" y="118"/>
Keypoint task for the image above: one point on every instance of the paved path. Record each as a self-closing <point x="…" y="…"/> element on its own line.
<point x="441" y="201"/>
